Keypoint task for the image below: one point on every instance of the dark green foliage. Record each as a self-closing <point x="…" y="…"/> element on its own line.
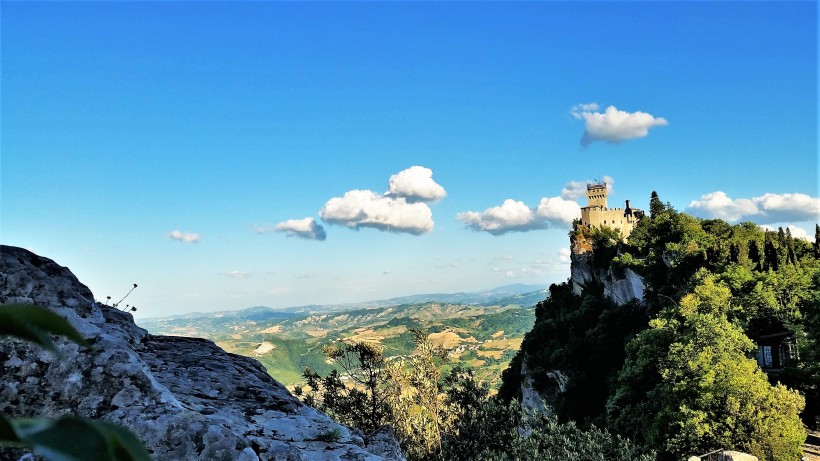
<point x="548" y="439"/>
<point x="754" y="254"/>
<point x="511" y="378"/>
<point x="330" y="436"/>
<point x="584" y="337"/>
<point x="364" y="403"/>
<point x="771" y="259"/>
<point x="489" y="429"/>
<point x="816" y="245"/>
<point x="704" y="392"/>
<point x="767" y="283"/>
<point x="72" y="438"/>
<point x="36" y="324"/>
<point x="604" y="244"/>
<point x="655" y="205"/>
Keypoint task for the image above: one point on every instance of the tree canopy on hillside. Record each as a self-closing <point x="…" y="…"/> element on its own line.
<point x="677" y="372"/>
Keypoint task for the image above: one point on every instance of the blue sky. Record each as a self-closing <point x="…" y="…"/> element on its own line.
<point x="202" y="150"/>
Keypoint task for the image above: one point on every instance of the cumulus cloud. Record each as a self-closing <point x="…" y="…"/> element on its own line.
<point x="365" y="208"/>
<point x="416" y="185"/>
<point x="306" y="228"/>
<point x="797" y="232"/>
<point x="564" y="256"/>
<point x="238" y="274"/>
<point x="516" y="216"/>
<point x="574" y="190"/>
<point x="187" y="237"/>
<point x="613" y="126"/>
<point x="401" y="209"/>
<point x="765" y="209"/>
<point x="788" y="207"/>
<point x="510" y="216"/>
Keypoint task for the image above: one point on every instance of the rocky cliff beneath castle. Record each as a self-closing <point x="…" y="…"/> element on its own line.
<point x="621" y="287"/>
<point x="186" y="398"/>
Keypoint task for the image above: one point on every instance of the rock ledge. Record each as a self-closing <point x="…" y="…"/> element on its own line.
<point x="186" y="398"/>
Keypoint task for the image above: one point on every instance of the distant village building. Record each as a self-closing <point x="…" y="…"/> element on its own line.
<point x="596" y="213"/>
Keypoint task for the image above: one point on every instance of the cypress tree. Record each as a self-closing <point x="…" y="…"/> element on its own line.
<point x="791" y="258"/>
<point x="754" y="254"/>
<point x="817" y="241"/>
<point x="734" y="253"/>
<point x="655" y="205"/>
<point x="770" y="256"/>
<point x="782" y="246"/>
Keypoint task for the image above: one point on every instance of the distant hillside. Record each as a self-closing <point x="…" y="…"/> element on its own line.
<point x="483" y="331"/>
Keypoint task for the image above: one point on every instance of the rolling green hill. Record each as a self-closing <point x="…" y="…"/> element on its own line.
<point x="484" y="334"/>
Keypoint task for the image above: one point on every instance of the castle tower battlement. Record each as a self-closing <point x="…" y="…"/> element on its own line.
<point x="596" y="213"/>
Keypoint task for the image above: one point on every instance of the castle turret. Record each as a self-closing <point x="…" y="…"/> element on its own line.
<point x="596" y="213"/>
<point x="596" y="194"/>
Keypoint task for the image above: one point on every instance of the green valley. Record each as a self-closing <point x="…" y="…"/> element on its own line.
<point x="483" y="331"/>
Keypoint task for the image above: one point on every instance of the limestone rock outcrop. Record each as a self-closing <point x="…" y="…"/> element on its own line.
<point x="186" y="398"/>
<point x="621" y="289"/>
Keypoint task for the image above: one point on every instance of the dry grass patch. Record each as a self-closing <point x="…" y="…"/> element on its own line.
<point x="264" y="348"/>
<point x="504" y="344"/>
<point x="494" y="354"/>
<point x="498" y="334"/>
<point x="366" y="335"/>
<point x="448" y="339"/>
<point x="316" y="332"/>
<point x="273" y="329"/>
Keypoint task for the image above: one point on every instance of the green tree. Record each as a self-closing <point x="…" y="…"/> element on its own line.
<point x="705" y="393"/>
<point x="771" y="258"/>
<point x="656" y="207"/>
<point x="363" y="404"/>
<point x="816" y="245"/>
<point x="420" y="416"/>
<point x="754" y="255"/>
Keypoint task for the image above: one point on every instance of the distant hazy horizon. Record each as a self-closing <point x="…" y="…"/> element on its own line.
<point x="224" y="155"/>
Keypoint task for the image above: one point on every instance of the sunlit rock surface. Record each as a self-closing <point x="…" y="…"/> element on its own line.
<point x="186" y="398"/>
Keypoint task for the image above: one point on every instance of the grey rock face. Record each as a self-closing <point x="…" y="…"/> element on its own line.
<point x="621" y="290"/>
<point x="186" y="398"/>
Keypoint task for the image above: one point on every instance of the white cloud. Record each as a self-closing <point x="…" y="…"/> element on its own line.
<point x="558" y="211"/>
<point x="306" y="228"/>
<point x="364" y="208"/>
<point x="187" y="237"/>
<point x="238" y="274"/>
<point x="613" y="126"/>
<point x="797" y="232"/>
<point x="416" y="185"/>
<point x="400" y="209"/>
<point x="788" y="207"/>
<point x="580" y="108"/>
<point x="564" y="255"/>
<point x="718" y="205"/>
<point x="516" y="216"/>
<point x="574" y="190"/>
<point x="765" y="209"/>
<point x="510" y="216"/>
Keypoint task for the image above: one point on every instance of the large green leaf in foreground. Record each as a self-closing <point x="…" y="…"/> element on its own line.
<point x="72" y="438"/>
<point x="36" y="324"/>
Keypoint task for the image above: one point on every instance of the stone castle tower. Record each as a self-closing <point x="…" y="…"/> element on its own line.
<point x="596" y="213"/>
